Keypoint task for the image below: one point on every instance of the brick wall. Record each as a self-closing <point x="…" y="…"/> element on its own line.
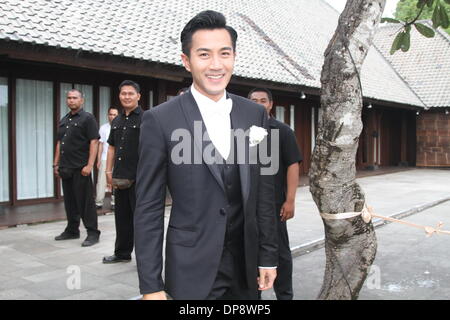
<point x="433" y="139"/>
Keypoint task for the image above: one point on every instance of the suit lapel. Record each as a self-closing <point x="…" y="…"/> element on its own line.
<point x="192" y="115"/>
<point x="238" y="121"/>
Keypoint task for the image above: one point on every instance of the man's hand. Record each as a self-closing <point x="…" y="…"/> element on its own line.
<point x="287" y="210"/>
<point x="55" y="171"/>
<point x="86" y="170"/>
<point x="109" y="179"/>
<point x="161" y="295"/>
<point x="266" y="278"/>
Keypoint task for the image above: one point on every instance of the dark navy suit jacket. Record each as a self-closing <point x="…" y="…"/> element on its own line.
<point x="196" y="230"/>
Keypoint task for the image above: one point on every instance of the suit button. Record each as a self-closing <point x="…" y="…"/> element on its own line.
<point x="222" y="211"/>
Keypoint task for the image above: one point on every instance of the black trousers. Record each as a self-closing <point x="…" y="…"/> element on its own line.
<point x="125" y="204"/>
<point x="230" y="282"/>
<point x="79" y="203"/>
<point x="283" y="282"/>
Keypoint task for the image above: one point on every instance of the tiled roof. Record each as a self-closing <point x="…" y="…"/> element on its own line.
<point x="281" y="41"/>
<point x="425" y="67"/>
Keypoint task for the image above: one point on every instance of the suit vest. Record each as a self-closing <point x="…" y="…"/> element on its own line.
<point x="234" y="235"/>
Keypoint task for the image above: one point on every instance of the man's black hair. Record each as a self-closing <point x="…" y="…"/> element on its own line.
<point x="208" y="20"/>
<point x="113" y="108"/>
<point x="130" y="83"/>
<point x="269" y="94"/>
<point x="77" y="90"/>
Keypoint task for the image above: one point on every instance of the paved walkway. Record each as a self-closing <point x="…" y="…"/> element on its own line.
<point x="34" y="266"/>
<point x="408" y="265"/>
<point x="388" y="194"/>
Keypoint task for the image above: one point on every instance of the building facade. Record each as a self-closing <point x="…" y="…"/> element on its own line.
<point x="50" y="47"/>
<point x="425" y="67"/>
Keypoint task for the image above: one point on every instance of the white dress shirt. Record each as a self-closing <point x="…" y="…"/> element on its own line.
<point x="216" y="117"/>
<point x="104" y="135"/>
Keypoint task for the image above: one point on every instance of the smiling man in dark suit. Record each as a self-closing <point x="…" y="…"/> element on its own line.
<point x="221" y="239"/>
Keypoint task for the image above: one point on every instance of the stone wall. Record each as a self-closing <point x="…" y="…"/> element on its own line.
<point x="433" y="139"/>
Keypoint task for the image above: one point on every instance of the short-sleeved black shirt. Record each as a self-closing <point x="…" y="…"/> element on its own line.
<point x="288" y="155"/>
<point x="75" y="132"/>
<point x="124" y="137"/>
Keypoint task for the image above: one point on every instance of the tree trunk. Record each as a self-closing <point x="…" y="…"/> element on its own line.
<point x="350" y="244"/>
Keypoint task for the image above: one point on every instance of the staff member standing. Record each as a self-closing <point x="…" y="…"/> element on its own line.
<point x="123" y="156"/>
<point x="75" y="155"/>
<point x="101" y="160"/>
<point x="286" y="183"/>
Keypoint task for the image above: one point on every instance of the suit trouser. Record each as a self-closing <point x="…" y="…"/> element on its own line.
<point x="101" y="185"/>
<point x="124" y="215"/>
<point x="283" y="282"/>
<point x="79" y="203"/>
<point x="230" y="282"/>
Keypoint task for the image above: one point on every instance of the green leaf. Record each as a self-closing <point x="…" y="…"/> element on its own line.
<point x="436" y="18"/>
<point x="424" y="30"/>
<point x="444" y="18"/>
<point x="447" y="1"/>
<point x="406" y="41"/>
<point x="397" y="42"/>
<point x="408" y="28"/>
<point x="430" y="3"/>
<point x="383" y="20"/>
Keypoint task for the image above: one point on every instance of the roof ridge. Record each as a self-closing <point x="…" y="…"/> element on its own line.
<point x="327" y="3"/>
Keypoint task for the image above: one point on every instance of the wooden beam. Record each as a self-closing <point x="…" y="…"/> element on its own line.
<point x="12" y="135"/>
<point x="92" y="61"/>
<point x="162" y="91"/>
<point x="404" y="139"/>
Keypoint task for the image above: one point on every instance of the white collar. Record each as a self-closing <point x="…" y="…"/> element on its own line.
<point x="205" y="104"/>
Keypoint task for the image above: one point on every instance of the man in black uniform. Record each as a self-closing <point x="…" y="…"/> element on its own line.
<point x="123" y="156"/>
<point x="286" y="183"/>
<point x="74" y="159"/>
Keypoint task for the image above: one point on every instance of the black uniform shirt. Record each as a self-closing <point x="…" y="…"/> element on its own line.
<point x="75" y="132"/>
<point x="124" y="136"/>
<point x="288" y="155"/>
